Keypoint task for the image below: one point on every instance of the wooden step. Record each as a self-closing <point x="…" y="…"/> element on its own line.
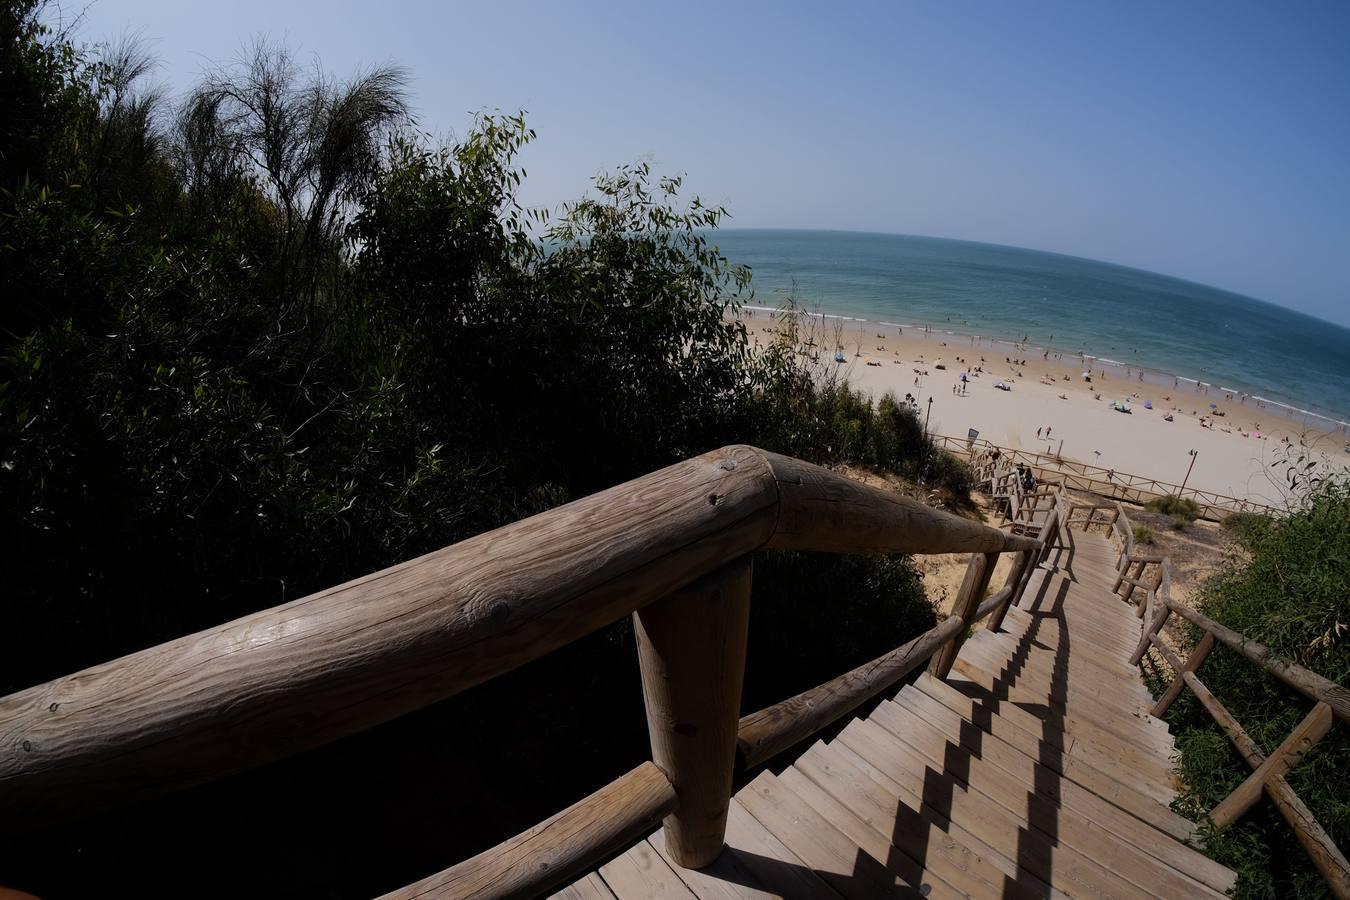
<point x="877" y="821"/>
<point x="1058" y="662"/>
<point x="1100" y="783"/>
<point x="1062" y="866"/>
<point x="1120" y="727"/>
<point x="839" y="862"/>
<point x="1064" y="812"/>
<point x="1022" y="729"/>
<point x="1067" y="690"/>
<point x="1130" y="812"/>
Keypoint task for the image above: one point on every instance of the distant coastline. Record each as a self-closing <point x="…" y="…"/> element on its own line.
<point x="1123" y="373"/>
<point x="1180" y="332"/>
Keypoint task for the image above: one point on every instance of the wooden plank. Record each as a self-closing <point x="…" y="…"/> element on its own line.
<point x="1100" y="702"/>
<point x="1064" y="810"/>
<point x="559" y="848"/>
<point x="592" y="887"/>
<point x="886" y="786"/>
<point x="1060" y="865"/>
<point x="1136" y="791"/>
<point x="838" y="790"/>
<point x="975" y="681"/>
<point x="640" y="874"/>
<point x="875" y="844"/>
<point x="1123" y="726"/>
<point x="1002" y="767"/>
<point x="753" y="865"/>
<point x="769" y="859"/>
<point x="1031" y="653"/>
<point x="1020" y="728"/>
<point x="837" y="860"/>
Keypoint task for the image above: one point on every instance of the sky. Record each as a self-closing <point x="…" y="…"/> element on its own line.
<point x="1208" y="141"/>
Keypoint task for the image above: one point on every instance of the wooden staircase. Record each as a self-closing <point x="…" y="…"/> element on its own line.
<point x="1033" y="770"/>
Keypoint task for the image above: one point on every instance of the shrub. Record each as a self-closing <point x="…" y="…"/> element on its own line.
<point x="1144" y="535"/>
<point x="1293" y="596"/>
<point x="1178" y="507"/>
<point x="1247" y="528"/>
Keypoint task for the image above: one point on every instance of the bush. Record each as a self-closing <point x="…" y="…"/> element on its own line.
<point x="1144" y="535"/>
<point x="289" y="340"/>
<point x="1247" y="528"/>
<point x="1182" y="508"/>
<point x="1294" y="597"/>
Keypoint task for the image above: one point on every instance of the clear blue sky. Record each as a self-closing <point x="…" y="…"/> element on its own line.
<point x="1210" y="141"/>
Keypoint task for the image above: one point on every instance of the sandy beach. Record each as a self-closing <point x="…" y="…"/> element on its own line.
<point x="1074" y="417"/>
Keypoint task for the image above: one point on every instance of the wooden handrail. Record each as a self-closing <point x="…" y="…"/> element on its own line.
<point x="560" y="848"/>
<point x="1305" y="681"/>
<point x="329" y="665"/>
<point x="1331" y="701"/>
<point x="1099" y="479"/>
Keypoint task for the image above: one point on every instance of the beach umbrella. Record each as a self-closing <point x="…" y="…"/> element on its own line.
<point x="1148" y="404"/>
<point x="1214" y="406"/>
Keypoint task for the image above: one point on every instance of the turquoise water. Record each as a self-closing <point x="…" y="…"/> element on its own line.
<point x="1168" y="327"/>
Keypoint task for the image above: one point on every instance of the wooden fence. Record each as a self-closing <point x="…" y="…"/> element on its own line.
<point x="672" y="548"/>
<point x="1137" y="489"/>
<point x="1331" y="701"/>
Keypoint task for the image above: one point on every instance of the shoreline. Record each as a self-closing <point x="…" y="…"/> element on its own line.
<point x="1241" y="449"/>
<point x="1326" y="423"/>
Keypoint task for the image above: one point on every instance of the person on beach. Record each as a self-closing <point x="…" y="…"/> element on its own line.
<point x="1047" y="432"/>
<point x="1038" y="433"/>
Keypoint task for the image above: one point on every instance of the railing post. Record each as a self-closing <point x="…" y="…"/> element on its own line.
<point x="1289" y="754"/>
<point x="973" y="586"/>
<point x="1192" y="664"/>
<point x="691" y="646"/>
<point x="1153" y="628"/>
<point x="1020" y="564"/>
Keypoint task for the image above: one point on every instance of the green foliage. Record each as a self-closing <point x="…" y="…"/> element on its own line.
<point x="1294" y="597"/>
<point x="285" y="340"/>
<point x="1247" y="528"/>
<point x="1181" y="509"/>
<point x="1144" y="535"/>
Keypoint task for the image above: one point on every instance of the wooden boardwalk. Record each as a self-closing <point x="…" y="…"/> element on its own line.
<point x="1033" y="770"/>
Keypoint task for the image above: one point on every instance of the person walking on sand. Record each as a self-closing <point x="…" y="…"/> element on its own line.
<point x="1038" y="433"/>
<point x="1047" y="432"/>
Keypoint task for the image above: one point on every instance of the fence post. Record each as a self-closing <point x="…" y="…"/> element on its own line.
<point x="1178" y="680"/>
<point x="691" y="646"/>
<point x="1020" y="564"/>
<point x="1289" y="754"/>
<point x="973" y="586"/>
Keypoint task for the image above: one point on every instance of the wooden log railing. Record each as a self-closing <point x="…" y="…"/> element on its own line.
<point x="1119" y="485"/>
<point x="1331" y="701"/>
<point x="673" y="548"/>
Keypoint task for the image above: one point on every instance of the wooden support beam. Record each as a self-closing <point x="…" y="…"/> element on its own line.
<point x="559" y="849"/>
<point x="1192" y="664"/>
<point x="1016" y="582"/>
<point x="691" y="646"/>
<point x="1159" y="618"/>
<point x="1305" y="681"/>
<point x="1289" y="754"/>
<point x="973" y="586"/>
<point x="1321" y="849"/>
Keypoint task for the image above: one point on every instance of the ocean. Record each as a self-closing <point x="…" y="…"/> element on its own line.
<point x="1295" y="364"/>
